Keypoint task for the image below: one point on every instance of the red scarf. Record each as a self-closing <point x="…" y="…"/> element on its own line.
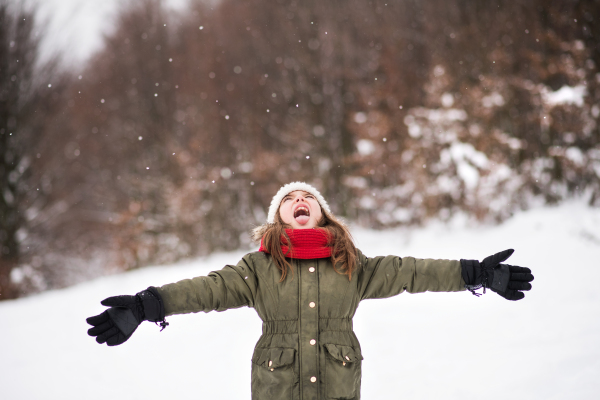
<point x="306" y="244"/>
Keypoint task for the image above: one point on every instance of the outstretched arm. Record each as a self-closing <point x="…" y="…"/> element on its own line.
<point x="381" y="277"/>
<point x="233" y="286"/>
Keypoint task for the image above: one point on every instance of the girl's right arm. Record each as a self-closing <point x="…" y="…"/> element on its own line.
<point x="233" y="286"/>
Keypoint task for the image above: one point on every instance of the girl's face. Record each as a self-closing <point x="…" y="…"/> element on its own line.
<point x="301" y="210"/>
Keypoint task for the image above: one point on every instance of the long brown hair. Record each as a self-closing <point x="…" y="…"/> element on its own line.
<point x="343" y="252"/>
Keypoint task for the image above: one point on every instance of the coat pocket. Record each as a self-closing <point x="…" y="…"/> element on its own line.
<point x="342" y="371"/>
<point x="273" y="373"/>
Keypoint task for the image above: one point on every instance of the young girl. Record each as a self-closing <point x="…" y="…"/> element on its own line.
<point x="305" y="282"/>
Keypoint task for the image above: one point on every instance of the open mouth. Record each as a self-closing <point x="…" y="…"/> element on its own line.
<point x="301" y="215"/>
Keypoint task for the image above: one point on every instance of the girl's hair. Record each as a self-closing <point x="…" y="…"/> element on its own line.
<point x="343" y="251"/>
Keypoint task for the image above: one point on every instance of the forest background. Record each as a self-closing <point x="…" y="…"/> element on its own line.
<point x="173" y="139"/>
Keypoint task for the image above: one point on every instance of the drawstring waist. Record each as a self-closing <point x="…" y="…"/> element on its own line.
<point x="291" y="326"/>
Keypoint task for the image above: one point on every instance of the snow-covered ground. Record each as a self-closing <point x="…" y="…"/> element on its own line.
<point x="422" y="346"/>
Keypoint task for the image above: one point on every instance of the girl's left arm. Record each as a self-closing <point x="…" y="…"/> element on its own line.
<point x="381" y="277"/>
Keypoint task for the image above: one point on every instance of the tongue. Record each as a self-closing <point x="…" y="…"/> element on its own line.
<point x="302" y="219"/>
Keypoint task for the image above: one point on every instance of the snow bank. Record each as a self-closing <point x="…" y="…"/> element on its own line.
<point x="423" y="346"/>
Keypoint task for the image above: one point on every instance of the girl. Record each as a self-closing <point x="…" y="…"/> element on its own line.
<point x="305" y="282"/>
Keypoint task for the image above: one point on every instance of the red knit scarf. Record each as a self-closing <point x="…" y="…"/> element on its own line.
<point x="306" y="244"/>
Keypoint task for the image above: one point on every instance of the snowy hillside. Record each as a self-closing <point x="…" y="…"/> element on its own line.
<point x="423" y="346"/>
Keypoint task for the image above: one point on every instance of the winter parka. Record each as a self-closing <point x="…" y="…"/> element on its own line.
<point x="308" y="350"/>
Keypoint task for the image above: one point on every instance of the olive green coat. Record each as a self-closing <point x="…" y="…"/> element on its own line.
<point x="308" y="349"/>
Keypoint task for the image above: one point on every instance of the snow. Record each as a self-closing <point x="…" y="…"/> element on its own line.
<point x="447" y="100"/>
<point x="465" y="156"/>
<point x="493" y="99"/>
<point x="422" y="346"/>
<point x="365" y="147"/>
<point x="565" y="95"/>
<point x="360" y="117"/>
<point x="575" y="155"/>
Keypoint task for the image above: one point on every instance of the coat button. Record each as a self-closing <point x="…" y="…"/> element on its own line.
<point x="347" y="358"/>
<point x="313" y="342"/>
<point x="270" y="363"/>
<point x="312" y="269"/>
<point x="313" y="379"/>
<point x="312" y="304"/>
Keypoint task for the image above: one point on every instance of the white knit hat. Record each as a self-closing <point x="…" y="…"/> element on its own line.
<point x="289" y="188"/>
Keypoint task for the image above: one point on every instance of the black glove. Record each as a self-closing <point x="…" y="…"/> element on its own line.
<point x="115" y="325"/>
<point x="507" y="280"/>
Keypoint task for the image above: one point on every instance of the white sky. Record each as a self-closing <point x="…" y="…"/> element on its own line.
<point x="75" y="27"/>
